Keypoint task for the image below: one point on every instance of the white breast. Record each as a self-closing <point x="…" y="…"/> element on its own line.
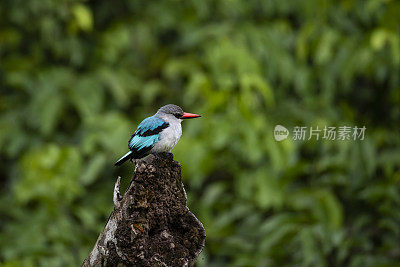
<point x="169" y="137"/>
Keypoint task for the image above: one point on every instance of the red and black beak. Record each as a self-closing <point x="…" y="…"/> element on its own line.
<point x="187" y="115"/>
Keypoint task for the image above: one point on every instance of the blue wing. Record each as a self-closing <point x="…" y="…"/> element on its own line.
<point x="146" y="135"/>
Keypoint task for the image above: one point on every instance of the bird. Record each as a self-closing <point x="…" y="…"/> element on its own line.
<point x="156" y="134"/>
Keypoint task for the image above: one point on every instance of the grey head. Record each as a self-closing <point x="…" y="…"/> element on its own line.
<point x="171" y="109"/>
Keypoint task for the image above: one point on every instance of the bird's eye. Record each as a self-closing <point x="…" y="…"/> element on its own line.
<point x="177" y="115"/>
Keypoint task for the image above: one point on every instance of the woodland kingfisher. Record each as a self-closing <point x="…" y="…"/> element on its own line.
<point x="158" y="133"/>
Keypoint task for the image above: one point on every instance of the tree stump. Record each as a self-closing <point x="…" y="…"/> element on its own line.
<point x="151" y="224"/>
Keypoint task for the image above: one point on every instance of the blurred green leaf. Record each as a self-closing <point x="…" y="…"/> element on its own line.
<point x="77" y="77"/>
<point x="83" y="17"/>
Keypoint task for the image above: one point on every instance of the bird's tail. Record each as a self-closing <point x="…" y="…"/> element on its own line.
<point x="123" y="159"/>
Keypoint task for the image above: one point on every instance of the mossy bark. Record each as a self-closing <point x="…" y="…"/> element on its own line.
<point x="151" y="224"/>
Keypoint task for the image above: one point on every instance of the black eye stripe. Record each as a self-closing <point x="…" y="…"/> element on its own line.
<point x="178" y="116"/>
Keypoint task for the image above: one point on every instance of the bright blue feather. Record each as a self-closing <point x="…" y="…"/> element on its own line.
<point x="141" y="142"/>
<point x="149" y="124"/>
<point x="147" y="133"/>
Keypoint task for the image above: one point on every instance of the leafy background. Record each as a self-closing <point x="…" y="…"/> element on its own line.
<point x="76" y="77"/>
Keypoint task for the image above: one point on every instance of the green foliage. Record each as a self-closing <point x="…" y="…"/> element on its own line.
<point x="76" y="77"/>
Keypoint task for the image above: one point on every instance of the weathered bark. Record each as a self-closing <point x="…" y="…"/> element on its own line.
<point x="151" y="224"/>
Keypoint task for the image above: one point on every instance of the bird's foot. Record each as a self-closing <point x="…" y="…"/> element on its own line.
<point x="133" y="161"/>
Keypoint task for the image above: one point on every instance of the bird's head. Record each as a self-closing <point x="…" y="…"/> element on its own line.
<point x="174" y="111"/>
